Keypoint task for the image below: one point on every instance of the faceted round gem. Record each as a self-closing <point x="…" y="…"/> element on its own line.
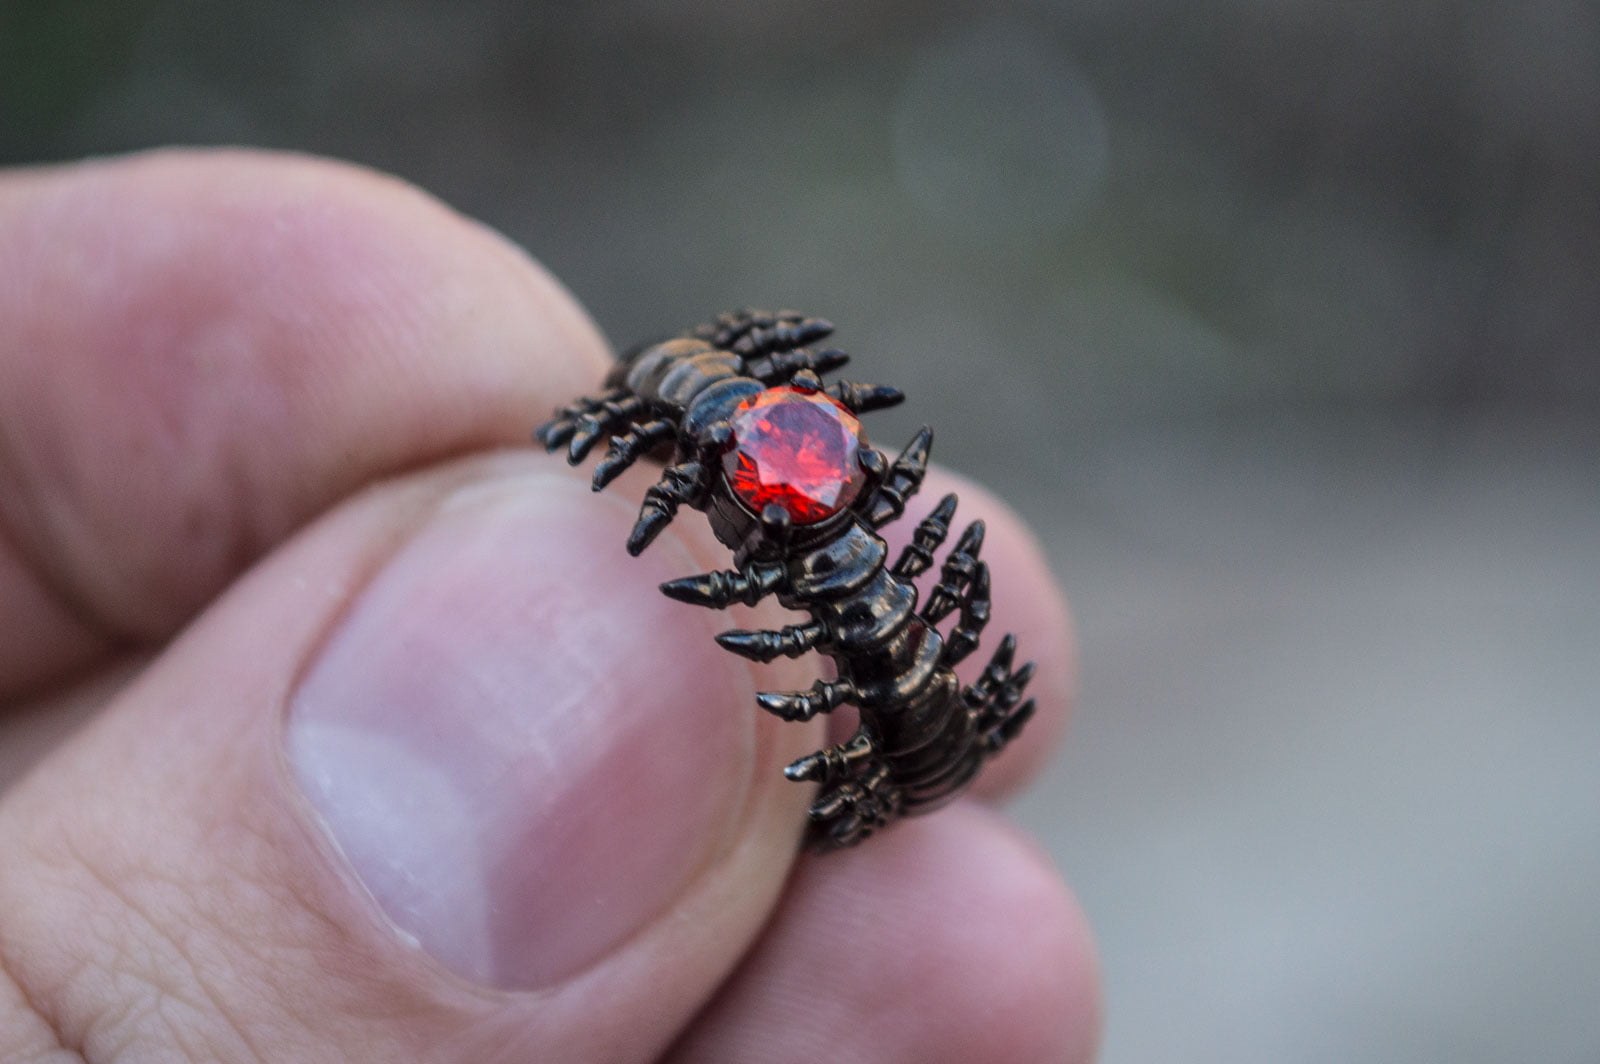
<point x="797" y="449"/>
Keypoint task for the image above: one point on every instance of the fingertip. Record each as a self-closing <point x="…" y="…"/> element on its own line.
<point x="945" y="939"/>
<point x="999" y="956"/>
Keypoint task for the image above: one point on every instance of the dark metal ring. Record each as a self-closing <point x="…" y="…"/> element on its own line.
<point x="779" y="464"/>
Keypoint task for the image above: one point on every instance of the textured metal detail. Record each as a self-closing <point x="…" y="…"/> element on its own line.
<point x="922" y="736"/>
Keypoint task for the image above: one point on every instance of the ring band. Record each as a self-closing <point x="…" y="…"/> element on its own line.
<point x="779" y="464"/>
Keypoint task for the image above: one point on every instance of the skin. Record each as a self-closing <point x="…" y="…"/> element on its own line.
<point x="246" y="400"/>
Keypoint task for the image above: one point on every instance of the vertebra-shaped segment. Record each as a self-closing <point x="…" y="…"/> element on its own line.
<point x="722" y="589"/>
<point x="918" y="554"/>
<point x="679" y="484"/>
<point x="626" y="449"/>
<point x="902" y="481"/>
<point x="958" y="571"/>
<point x="824" y="697"/>
<point x="789" y="642"/>
<point x="837" y="569"/>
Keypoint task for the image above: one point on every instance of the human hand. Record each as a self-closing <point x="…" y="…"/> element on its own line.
<point x="394" y="754"/>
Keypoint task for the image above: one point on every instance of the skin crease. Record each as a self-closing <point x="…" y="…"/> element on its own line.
<point x="233" y="387"/>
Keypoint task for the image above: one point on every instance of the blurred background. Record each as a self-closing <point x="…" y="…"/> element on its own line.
<point x="1277" y="318"/>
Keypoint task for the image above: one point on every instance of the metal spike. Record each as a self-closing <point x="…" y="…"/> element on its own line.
<point x="971" y="541"/>
<point x="695" y="590"/>
<point x="902" y="480"/>
<point x="646" y="529"/>
<point x="609" y="470"/>
<point x="1004" y="653"/>
<point x="810" y="767"/>
<point x="789" y="642"/>
<point x="584" y="437"/>
<point x="863" y="398"/>
<point x="1020" y="678"/>
<point x="829" y="360"/>
<point x="1013" y="723"/>
<point x="757" y="646"/>
<point x="788" y="706"/>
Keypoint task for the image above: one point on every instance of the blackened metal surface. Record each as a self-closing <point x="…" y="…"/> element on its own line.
<point x="922" y="735"/>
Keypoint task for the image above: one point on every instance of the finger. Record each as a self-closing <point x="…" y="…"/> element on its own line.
<point x="29" y="730"/>
<point x="1028" y="602"/>
<point x="201" y="350"/>
<point x="948" y="939"/>
<point x="445" y="778"/>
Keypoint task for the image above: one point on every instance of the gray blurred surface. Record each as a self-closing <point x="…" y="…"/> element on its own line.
<point x="1278" y="319"/>
<point x="1332" y="794"/>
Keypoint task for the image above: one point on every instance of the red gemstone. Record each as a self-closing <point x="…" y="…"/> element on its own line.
<point x="797" y="449"/>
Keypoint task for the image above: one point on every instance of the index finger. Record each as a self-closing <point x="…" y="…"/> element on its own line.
<point x="201" y="350"/>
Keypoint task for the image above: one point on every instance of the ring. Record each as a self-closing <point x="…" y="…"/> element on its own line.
<point x="779" y="464"/>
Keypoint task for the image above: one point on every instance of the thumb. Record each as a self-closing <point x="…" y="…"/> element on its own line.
<point x="446" y="778"/>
